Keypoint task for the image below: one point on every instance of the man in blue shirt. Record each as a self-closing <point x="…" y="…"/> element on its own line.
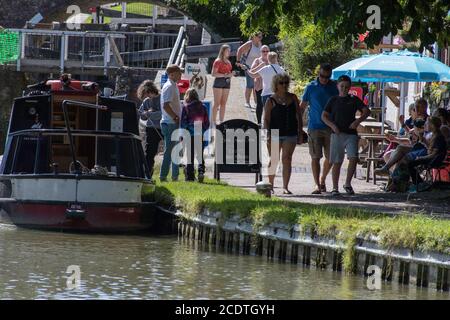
<point x="317" y="94"/>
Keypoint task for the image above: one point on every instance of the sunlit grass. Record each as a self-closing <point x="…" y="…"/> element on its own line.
<point x="142" y="8"/>
<point x="416" y="232"/>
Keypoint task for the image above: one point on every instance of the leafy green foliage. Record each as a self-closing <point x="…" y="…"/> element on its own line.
<point x="221" y="16"/>
<point x="343" y="20"/>
<point x="309" y="47"/>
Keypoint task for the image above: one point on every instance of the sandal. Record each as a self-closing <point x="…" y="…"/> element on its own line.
<point x="349" y="190"/>
<point x="317" y="191"/>
<point x="335" y="193"/>
<point x="286" y="191"/>
<point x="323" y="188"/>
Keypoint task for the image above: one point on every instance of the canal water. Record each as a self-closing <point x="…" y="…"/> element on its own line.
<point x="33" y="265"/>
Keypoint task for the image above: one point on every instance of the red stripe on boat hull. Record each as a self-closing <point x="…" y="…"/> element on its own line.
<point x="98" y="218"/>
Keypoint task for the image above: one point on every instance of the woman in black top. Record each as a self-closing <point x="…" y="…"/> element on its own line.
<point x="283" y="119"/>
<point x="150" y="112"/>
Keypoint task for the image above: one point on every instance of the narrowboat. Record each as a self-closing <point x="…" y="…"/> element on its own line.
<point x="74" y="161"/>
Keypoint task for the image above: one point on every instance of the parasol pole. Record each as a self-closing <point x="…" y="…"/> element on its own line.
<point x="383" y="110"/>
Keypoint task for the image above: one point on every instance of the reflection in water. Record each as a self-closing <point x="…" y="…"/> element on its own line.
<point x="34" y="263"/>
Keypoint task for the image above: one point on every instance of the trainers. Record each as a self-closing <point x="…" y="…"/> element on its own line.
<point x="247" y="105"/>
<point x="383" y="171"/>
<point x="163" y="179"/>
<point x="174" y="179"/>
<point x="201" y="177"/>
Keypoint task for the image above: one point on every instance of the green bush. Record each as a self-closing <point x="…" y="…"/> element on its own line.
<point x="307" y="48"/>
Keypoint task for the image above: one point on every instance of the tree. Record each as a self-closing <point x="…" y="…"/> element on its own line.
<point x="426" y="21"/>
<point x="221" y="16"/>
<point x="307" y="48"/>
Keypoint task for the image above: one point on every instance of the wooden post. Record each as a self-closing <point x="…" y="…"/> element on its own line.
<point x="124" y="10"/>
<point x="289" y="251"/>
<point x="277" y="250"/>
<point x="154" y="16"/>
<point x="242" y="242"/>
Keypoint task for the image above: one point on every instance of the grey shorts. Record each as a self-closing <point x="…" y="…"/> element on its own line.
<point x="250" y="82"/>
<point x="342" y="143"/>
<point x="290" y="139"/>
<point x="319" y="139"/>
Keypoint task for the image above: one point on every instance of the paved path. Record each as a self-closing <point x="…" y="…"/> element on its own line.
<point x="369" y="196"/>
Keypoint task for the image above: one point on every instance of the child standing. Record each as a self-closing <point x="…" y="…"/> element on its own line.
<point x="194" y="118"/>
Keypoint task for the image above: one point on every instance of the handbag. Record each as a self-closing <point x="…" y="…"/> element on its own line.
<point x="304" y="134"/>
<point x="243" y="60"/>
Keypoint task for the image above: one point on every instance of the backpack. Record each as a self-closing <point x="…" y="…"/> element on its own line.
<point x="399" y="179"/>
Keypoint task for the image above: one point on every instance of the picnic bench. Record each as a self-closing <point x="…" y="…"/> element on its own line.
<point x="373" y="139"/>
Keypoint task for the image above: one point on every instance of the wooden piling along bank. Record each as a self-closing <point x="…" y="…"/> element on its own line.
<point x="292" y="244"/>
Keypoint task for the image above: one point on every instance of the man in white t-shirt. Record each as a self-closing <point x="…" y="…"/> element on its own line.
<point x="266" y="71"/>
<point x="170" y="120"/>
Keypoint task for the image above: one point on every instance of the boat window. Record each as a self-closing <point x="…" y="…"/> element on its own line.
<point x="28" y="154"/>
<point x="120" y="156"/>
<point x="31" y="154"/>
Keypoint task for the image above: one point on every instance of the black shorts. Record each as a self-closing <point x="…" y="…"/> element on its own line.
<point x="222" y="83"/>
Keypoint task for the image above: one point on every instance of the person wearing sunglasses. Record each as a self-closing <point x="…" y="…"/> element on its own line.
<point x="316" y="95"/>
<point x="245" y="56"/>
<point x="266" y="72"/>
<point x="340" y="115"/>
<point x="261" y="61"/>
<point x="283" y="120"/>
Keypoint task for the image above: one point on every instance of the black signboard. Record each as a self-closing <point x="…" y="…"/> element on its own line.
<point x="237" y="148"/>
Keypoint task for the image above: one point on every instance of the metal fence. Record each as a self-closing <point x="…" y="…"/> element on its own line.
<point x="94" y="49"/>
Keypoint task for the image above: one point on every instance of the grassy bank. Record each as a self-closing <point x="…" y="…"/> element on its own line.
<point x="346" y="224"/>
<point x="142" y="8"/>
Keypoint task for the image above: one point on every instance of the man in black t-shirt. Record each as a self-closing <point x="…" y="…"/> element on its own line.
<point x="339" y="114"/>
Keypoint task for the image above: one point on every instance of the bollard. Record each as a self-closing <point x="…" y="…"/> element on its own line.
<point x="264" y="188"/>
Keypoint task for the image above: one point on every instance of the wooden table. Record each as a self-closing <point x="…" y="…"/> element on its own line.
<point x="374" y="125"/>
<point x="372" y="139"/>
<point x="368" y="119"/>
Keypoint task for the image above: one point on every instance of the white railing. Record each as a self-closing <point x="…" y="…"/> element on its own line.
<point x="179" y="49"/>
<point x="94" y="49"/>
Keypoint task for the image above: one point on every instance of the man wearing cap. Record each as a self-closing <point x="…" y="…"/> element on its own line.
<point x="317" y="94"/>
<point x="170" y="120"/>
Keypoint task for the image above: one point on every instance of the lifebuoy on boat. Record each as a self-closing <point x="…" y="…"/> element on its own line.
<point x="75" y="85"/>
